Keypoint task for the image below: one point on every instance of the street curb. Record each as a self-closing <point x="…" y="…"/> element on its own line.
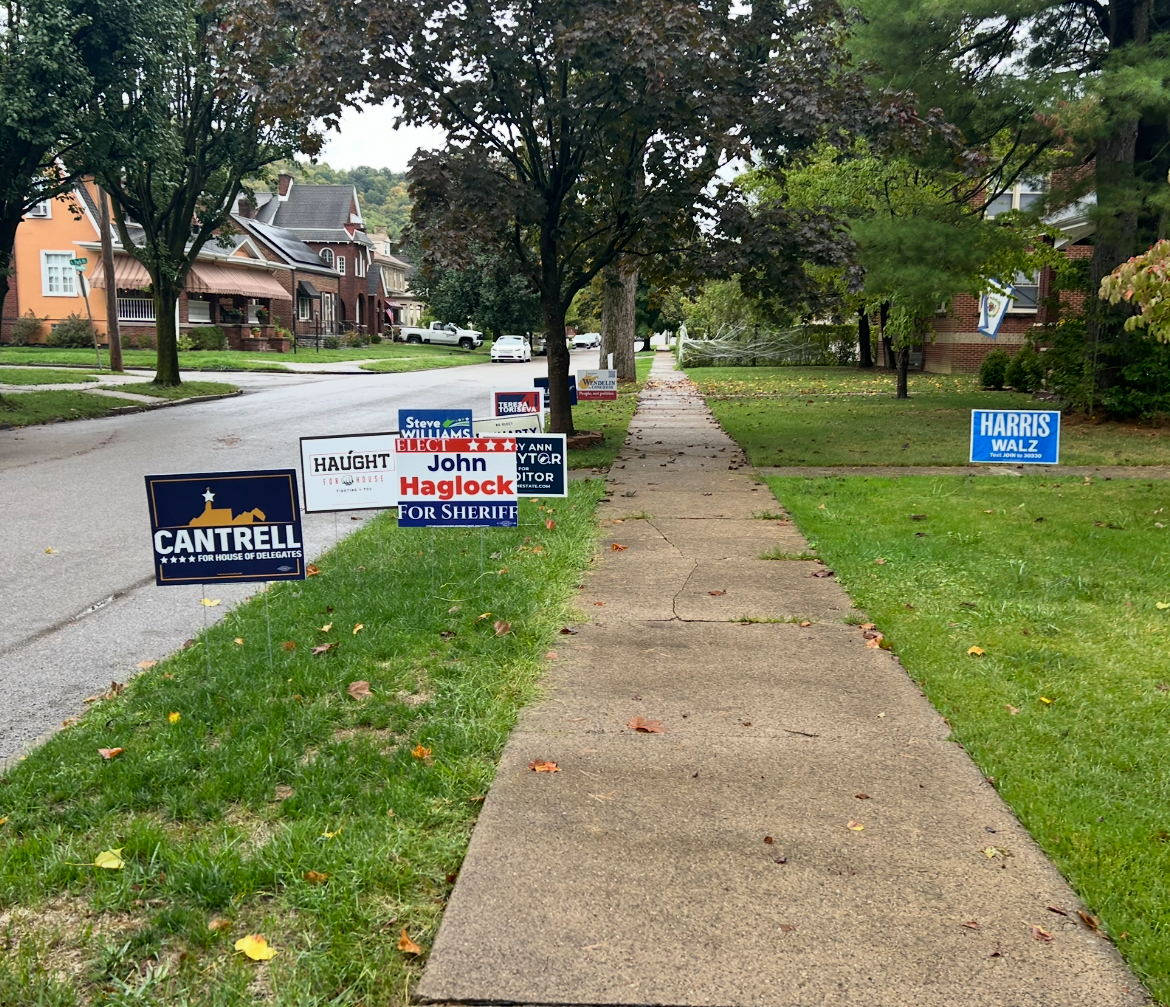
<point x="138" y="407"/>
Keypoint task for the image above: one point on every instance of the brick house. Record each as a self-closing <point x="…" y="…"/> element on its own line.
<point x="328" y="219"/>
<point x="400" y="306"/>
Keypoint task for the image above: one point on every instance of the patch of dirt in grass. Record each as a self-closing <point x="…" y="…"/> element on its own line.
<point x="257" y="832"/>
<point x="62" y="931"/>
<point x="412" y="699"/>
<point x="383" y="737"/>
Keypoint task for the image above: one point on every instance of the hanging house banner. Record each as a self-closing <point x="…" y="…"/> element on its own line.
<point x="596" y="385"/>
<point x="226" y="527"/>
<point x="993" y="307"/>
<point x="349" y="472"/>
<point x="457" y="482"/>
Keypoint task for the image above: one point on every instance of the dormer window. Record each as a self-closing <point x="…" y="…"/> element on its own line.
<point x="43" y="209"/>
<point x="327" y="257"/>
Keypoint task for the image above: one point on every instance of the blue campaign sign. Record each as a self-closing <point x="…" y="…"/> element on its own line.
<point x="1015" y="436"/>
<point x="542" y="466"/>
<point x="543" y="383"/>
<point x="416" y="423"/>
<point x="226" y="526"/>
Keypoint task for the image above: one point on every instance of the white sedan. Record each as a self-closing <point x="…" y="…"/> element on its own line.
<point x="511" y="348"/>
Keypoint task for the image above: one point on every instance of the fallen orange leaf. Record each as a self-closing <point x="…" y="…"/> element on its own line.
<point x="407" y="945"/>
<point x="289" y="645"/>
<point x="502" y="628"/>
<point x="975" y="651"/>
<point x="806" y="623"/>
<point x="219" y="925"/>
<point x="312" y="570"/>
<point x="359" y="690"/>
<point x="358" y="628"/>
<point x="646" y="726"/>
<point x="316" y="877"/>
<point x="420" y="752"/>
<point x="542" y="766"/>
<point x="550" y="524"/>
<point x="619" y="548"/>
<point x="110" y="753"/>
<point x="716" y="594"/>
<point x="255" y="946"/>
<point x="1041" y="934"/>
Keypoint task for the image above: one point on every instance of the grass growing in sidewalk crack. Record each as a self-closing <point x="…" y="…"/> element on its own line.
<point x="779" y="553"/>
<point x="276" y="803"/>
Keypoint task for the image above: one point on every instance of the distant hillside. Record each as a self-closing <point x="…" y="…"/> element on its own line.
<point x="381" y="192"/>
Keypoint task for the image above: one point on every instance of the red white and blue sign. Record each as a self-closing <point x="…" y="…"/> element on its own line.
<point x="226" y="527"/>
<point x="434" y="422"/>
<point x="543" y="383"/>
<point x="517" y="403"/>
<point x="542" y="466"/>
<point x="457" y="482"/>
<point x="1015" y="436"/>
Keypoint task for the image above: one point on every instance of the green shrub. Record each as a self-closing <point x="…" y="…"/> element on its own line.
<point x="207" y="337"/>
<point x="1143" y="388"/>
<point x="332" y="343"/>
<point x="375" y="338"/>
<point x="75" y="332"/>
<point x="353" y="339"/>
<point x="26" y="328"/>
<point x="1025" y="371"/>
<point x="993" y="370"/>
<point x="184" y="344"/>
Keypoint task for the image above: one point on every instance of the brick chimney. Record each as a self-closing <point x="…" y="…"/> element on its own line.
<point x="245" y="207"/>
<point x="286" y="183"/>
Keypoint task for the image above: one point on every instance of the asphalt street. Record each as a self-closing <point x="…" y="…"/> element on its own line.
<point x="88" y="612"/>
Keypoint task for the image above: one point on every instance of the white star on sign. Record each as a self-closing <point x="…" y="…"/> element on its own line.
<point x="490" y="445"/>
<point x="508" y="445"/>
<point x="473" y="445"/>
<point x="209" y="496"/>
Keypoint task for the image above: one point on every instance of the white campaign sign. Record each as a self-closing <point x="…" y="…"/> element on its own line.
<point x="458" y="482"/>
<point x="524" y="423"/>
<point x="350" y="472"/>
<point x="596" y="383"/>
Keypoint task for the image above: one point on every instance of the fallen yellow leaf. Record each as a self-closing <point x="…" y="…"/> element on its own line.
<point x="990" y="852"/>
<point x="407" y="945"/>
<point x="255" y="946"/>
<point x="1163" y="604"/>
<point x="358" y="628"/>
<point x="209" y="602"/>
<point x="4" y="820"/>
<point x="50" y="550"/>
<point x="330" y="835"/>
<point x="975" y="651"/>
<point x="174" y="716"/>
<point x="111" y="860"/>
<point x="1045" y="700"/>
<point x="483" y="615"/>
<point x="239" y="641"/>
<point x="326" y="628"/>
<point x="855" y="826"/>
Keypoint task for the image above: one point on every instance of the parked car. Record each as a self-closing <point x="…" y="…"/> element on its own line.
<point x="511" y="348"/>
<point x="443" y="334"/>
<point x="586" y="341"/>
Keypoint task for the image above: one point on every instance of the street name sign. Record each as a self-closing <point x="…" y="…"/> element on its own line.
<point x="542" y="465"/>
<point x="457" y="482"/>
<point x="349" y="472"/>
<point x="413" y="423"/>
<point x="226" y="527"/>
<point x="78" y="263"/>
<point x="596" y="385"/>
<point x="1015" y="436"/>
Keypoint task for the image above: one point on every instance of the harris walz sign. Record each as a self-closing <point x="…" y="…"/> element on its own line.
<point x="226" y="526"/>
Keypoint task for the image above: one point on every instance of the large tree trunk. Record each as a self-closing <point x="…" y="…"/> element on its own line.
<point x="560" y="411"/>
<point x="113" y="333"/>
<point x="166" y="300"/>
<point x="887" y="342"/>
<point x="864" y="344"/>
<point x="903" y="371"/>
<point x="618" y="294"/>
<point x="7" y="240"/>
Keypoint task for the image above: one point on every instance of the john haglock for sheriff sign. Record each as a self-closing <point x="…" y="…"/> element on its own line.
<point x="457" y="482"/>
<point x="226" y="526"/>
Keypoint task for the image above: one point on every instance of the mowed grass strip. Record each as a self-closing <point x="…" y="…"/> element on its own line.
<point x="24" y="409"/>
<point x="1068" y="710"/>
<point x="42" y="376"/>
<point x="187" y="390"/>
<point x="844" y="416"/>
<point x="260" y="797"/>
<point x="612" y="418"/>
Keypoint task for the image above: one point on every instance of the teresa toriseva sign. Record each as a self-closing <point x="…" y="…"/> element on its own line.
<point x="457" y="482"/>
<point x="1015" y="436"/>
<point x="226" y="526"/>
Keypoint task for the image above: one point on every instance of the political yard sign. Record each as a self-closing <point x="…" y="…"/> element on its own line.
<point x="1015" y="436"/>
<point x="531" y="423"/>
<point x="348" y="472"/>
<point x="543" y="384"/>
<point x="226" y="526"/>
<point x="594" y="385"/>
<point x="457" y="482"/>
<point x="416" y="423"/>
<point x="542" y="467"/>
<point x="517" y="403"/>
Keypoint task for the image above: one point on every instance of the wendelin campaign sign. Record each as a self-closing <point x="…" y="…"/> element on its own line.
<point x="457" y="482"/>
<point x="226" y="527"/>
<point x="1015" y="436"/>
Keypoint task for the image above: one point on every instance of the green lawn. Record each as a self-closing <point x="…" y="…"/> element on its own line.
<point x="260" y="797"/>
<point x="844" y="416"/>
<point x="25" y="409"/>
<point x="42" y="376"/>
<point x="187" y="390"/>
<point x="611" y="418"/>
<point x="1060" y="582"/>
<point x="401" y="357"/>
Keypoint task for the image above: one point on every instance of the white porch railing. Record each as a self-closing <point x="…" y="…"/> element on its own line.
<point x="135" y="309"/>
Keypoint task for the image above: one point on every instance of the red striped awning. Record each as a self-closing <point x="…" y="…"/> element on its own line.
<point x="129" y="274"/>
<point x="213" y="278"/>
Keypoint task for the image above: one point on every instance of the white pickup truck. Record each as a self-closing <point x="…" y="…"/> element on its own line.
<point x="444" y="334"/>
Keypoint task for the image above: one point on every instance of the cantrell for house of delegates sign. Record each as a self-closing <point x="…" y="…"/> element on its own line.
<point x="209" y="527"/>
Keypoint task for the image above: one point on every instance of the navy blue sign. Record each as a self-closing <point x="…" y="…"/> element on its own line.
<point x="543" y="383"/>
<point x="542" y="466"/>
<point x="226" y="526"/>
<point x="1015" y="436"/>
<point x="418" y="423"/>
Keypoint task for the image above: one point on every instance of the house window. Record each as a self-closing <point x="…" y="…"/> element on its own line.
<point x="1026" y="196"/>
<point x="341" y="264"/>
<point x="43" y="209"/>
<point x="327" y="257"/>
<point x="58" y="278"/>
<point x="198" y="311"/>
<point x="304" y="309"/>
<point x="1027" y="287"/>
<point x="359" y="265"/>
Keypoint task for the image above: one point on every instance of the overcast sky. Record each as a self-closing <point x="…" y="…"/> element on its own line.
<point x="369" y="138"/>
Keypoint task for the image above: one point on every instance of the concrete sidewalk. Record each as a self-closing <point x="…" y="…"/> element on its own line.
<point x="715" y="864"/>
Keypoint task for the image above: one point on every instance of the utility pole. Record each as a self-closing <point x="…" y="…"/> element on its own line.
<point x="113" y="334"/>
